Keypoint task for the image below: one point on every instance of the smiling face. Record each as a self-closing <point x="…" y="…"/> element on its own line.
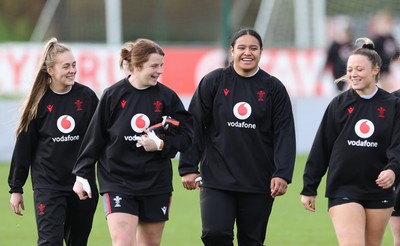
<point x="362" y="74"/>
<point x="147" y="75"/>
<point x="246" y="54"/>
<point x="63" y="72"/>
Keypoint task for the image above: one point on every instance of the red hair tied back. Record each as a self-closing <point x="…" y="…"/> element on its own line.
<point x="125" y="54"/>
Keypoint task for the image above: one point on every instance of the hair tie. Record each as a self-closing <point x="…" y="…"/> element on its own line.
<point x="368" y="46"/>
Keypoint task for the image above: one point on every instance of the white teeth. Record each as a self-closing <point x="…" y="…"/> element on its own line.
<point x="247" y="59"/>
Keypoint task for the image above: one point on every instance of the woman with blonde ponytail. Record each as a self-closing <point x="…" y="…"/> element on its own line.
<point x="54" y="119"/>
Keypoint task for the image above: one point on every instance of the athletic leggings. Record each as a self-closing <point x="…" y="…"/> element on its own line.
<point x="60" y="215"/>
<point x="220" y="209"/>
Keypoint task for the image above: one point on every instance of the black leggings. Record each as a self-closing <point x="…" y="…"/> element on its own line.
<point x="60" y="215"/>
<point x="220" y="209"/>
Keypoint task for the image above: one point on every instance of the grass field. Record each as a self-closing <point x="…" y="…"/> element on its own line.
<point x="290" y="224"/>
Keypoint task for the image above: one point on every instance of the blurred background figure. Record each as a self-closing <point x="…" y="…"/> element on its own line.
<point x="339" y="50"/>
<point x="381" y="28"/>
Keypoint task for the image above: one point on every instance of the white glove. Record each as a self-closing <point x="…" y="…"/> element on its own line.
<point x="85" y="184"/>
<point x="156" y="139"/>
<point x="199" y="179"/>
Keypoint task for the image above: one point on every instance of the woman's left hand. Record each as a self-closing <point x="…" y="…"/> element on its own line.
<point x="386" y="179"/>
<point x="151" y="142"/>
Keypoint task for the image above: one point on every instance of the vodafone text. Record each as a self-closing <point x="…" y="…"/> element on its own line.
<point x="241" y="125"/>
<point x="361" y="143"/>
<point x="68" y="138"/>
<point x="131" y="138"/>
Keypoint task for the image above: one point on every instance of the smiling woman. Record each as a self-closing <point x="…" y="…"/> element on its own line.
<point x="244" y="142"/>
<point x="359" y="126"/>
<point x="246" y="53"/>
<point x="54" y="120"/>
<point x="363" y="69"/>
<point x="62" y="73"/>
<point x="135" y="179"/>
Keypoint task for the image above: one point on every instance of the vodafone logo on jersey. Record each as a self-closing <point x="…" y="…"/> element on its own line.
<point x="242" y="110"/>
<point x="364" y="128"/>
<point x="140" y="122"/>
<point x="65" y="124"/>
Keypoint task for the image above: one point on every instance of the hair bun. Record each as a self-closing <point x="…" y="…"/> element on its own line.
<point x="125" y="54"/>
<point x="368" y="46"/>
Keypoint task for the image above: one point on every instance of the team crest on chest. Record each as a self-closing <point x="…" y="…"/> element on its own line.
<point x="78" y="103"/>
<point x="157" y="106"/>
<point x="381" y="111"/>
<point x="261" y="95"/>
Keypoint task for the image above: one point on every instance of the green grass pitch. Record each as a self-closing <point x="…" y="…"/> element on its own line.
<point x="290" y="224"/>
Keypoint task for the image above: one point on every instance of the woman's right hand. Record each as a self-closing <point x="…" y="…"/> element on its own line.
<point x="82" y="188"/>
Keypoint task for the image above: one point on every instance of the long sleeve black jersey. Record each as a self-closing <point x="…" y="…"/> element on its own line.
<point x="123" y="113"/>
<point x="356" y="140"/>
<point x="244" y="132"/>
<point x="51" y="144"/>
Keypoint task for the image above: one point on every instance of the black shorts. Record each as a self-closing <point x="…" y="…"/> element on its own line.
<point x="370" y="204"/>
<point x="147" y="208"/>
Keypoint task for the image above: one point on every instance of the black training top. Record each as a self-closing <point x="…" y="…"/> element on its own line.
<point x="123" y="113"/>
<point x="244" y="132"/>
<point x="50" y="146"/>
<point x="356" y="140"/>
